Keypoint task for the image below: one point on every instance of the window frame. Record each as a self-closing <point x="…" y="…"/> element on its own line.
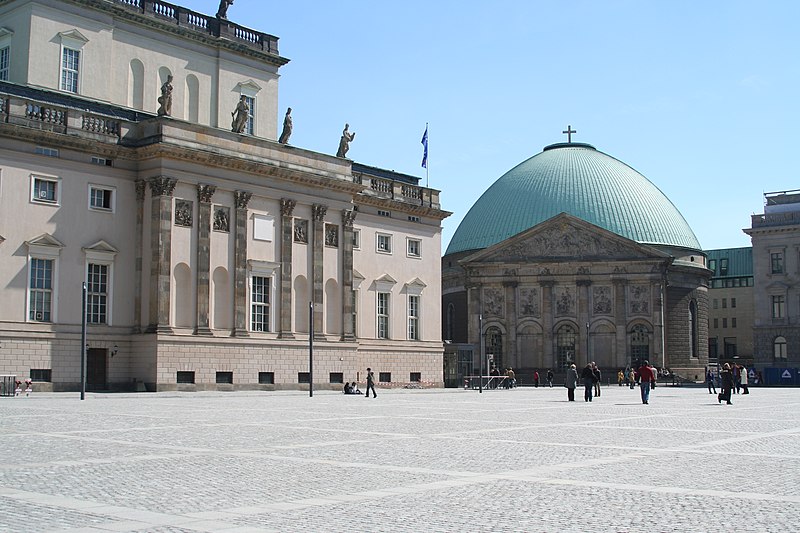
<point x="783" y="355"/>
<point x="387" y="238"/>
<point x="383" y="315"/>
<point x="266" y="270"/>
<point x="413" y="313"/>
<point x="5" y="62"/>
<point x="778" y="306"/>
<point x="112" y="194"/>
<point x="103" y="298"/>
<point x="262" y="306"/>
<point x="776" y="262"/>
<point x="37" y="198"/>
<point x="48" y="292"/>
<point x="409" y="245"/>
<point x="67" y="74"/>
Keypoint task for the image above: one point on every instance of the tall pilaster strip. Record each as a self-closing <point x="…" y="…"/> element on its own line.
<point x="547" y="323"/>
<point x="514" y="359"/>
<point x="348" y="327"/>
<point x="141" y="190"/>
<point x="240" y="265"/>
<point x="318" y="215"/>
<point x="161" y="188"/>
<point x="620" y="321"/>
<point x="584" y="317"/>
<point x="287" y="239"/>
<point x="204" y="196"/>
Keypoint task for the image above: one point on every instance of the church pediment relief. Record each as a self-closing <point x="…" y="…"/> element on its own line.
<point x="565" y="237"/>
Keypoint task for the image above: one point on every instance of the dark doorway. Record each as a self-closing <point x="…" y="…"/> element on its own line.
<point x="96" y="368"/>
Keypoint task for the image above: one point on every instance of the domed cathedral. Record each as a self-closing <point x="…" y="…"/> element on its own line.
<point x="570" y="257"/>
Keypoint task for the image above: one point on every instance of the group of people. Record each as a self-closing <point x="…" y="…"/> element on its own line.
<point x="732" y="379"/>
<point x="548" y="378"/>
<point x="352" y="388"/>
<point x="591" y="376"/>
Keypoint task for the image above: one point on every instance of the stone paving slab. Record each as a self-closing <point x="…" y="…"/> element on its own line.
<point x="523" y="460"/>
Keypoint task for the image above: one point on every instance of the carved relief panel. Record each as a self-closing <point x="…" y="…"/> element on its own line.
<point x="493" y="302"/>
<point x="222" y="217"/>
<point x="331" y="235"/>
<point x="183" y="213"/>
<point x="639" y="299"/>
<point x="301" y="231"/>
<point x="601" y="300"/>
<point x="529" y="301"/>
<point x="565" y="301"/>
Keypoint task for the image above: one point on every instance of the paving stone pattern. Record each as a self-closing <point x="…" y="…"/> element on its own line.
<point x="522" y="460"/>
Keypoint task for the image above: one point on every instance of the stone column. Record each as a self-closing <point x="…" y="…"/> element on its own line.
<point x="204" y="195"/>
<point x="348" y="327"/>
<point x="584" y="316"/>
<point x="241" y="199"/>
<point x="620" y="321"/>
<point x="547" y="324"/>
<point x="510" y="290"/>
<point x="161" y="188"/>
<point x="318" y="231"/>
<point x="287" y="240"/>
<point x="141" y="189"/>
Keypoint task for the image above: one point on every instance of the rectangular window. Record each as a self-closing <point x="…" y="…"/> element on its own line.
<point x="730" y="347"/>
<point x="266" y="378"/>
<point x="413" y="218"/>
<point x="415" y="377"/>
<point x="723" y="266"/>
<point x="41" y="290"/>
<point x="712" y="265"/>
<point x="45" y="191"/>
<point x="716" y="323"/>
<point x="384" y="243"/>
<point x="716" y="303"/>
<point x="385" y="377"/>
<point x="251" y="113"/>
<point x="724" y="303"/>
<point x="101" y="198"/>
<point x="185" y="377"/>
<point x="96" y="294"/>
<point x="414" y="246"/>
<point x="733" y="302"/>
<point x="225" y="377"/>
<point x="733" y="322"/>
<point x="41" y="374"/>
<point x="43" y="150"/>
<point x="778" y="306"/>
<point x="724" y="323"/>
<point x="776" y="260"/>
<point x="303" y="377"/>
<point x="356" y="239"/>
<point x="336" y="377"/>
<point x="383" y="315"/>
<point x="413" y="317"/>
<point x="102" y="161"/>
<point x="259" y="301"/>
<point x="70" y="64"/>
<point x="4" y="63"/>
<point x="383" y="213"/>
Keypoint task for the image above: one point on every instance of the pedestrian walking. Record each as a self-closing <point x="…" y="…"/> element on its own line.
<point x="536" y="378"/>
<point x="726" y="377"/>
<point x="632" y="380"/>
<point x="598" y="377"/>
<point x="710" y="381"/>
<point x="587" y="375"/>
<point x="571" y="382"/>
<point x="620" y="377"/>
<point x="646" y="377"/>
<point x="737" y="378"/>
<point x="550" y="378"/>
<point x="744" y="379"/>
<point x="370" y="384"/>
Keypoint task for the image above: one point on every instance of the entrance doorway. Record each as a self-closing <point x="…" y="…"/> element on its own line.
<point x="96" y="369"/>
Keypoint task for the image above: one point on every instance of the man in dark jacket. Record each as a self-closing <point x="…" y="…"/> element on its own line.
<point x="726" y="377"/>
<point x="587" y="375"/>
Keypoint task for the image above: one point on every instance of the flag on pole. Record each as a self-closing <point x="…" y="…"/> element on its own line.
<point x="425" y="148"/>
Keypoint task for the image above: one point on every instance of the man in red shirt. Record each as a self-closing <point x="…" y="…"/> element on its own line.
<point x="646" y="376"/>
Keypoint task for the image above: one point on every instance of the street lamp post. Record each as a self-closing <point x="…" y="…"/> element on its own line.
<point x="480" y="349"/>
<point x="83" y="342"/>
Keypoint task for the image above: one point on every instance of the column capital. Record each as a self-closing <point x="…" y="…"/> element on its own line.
<point x="205" y="193"/>
<point x="348" y="217"/>
<point x="287" y="206"/>
<point x="141" y="189"/>
<point x="242" y="198"/>
<point x="162" y="185"/>
<point x="318" y="211"/>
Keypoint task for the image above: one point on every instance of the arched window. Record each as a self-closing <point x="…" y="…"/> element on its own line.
<point x="451" y="316"/>
<point x="693" y="329"/>
<point x="494" y="346"/>
<point x="640" y="344"/>
<point x="779" y="348"/>
<point x="136" y="85"/>
<point x="565" y="346"/>
<point x="192" y="100"/>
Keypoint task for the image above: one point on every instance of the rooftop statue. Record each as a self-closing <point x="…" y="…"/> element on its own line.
<point x="287" y="127"/>
<point x="222" y="12"/>
<point x="240" y="115"/>
<point x="166" y="98"/>
<point x="344" y="142"/>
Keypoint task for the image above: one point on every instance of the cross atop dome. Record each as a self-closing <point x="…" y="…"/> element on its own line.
<point x="569" y="131"/>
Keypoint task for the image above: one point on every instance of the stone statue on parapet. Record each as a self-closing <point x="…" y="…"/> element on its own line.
<point x="344" y="142"/>
<point x="240" y="115"/>
<point x="165" y="100"/>
<point x="287" y="127"/>
<point x="222" y="12"/>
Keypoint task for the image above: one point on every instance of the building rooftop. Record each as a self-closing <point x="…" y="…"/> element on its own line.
<point x="731" y="262"/>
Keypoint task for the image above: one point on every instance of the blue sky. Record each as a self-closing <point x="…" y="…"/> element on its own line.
<point x="700" y="97"/>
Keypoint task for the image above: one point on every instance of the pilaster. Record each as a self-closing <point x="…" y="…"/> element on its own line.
<point x="141" y="190"/>
<point x="348" y="327"/>
<point x="161" y="188"/>
<point x="204" y="195"/>
<point x="584" y="317"/>
<point x="318" y="230"/>
<point x="287" y="240"/>
<point x="547" y="324"/>
<point x="241" y="199"/>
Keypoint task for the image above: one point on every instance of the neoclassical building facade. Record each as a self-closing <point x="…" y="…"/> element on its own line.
<point x="211" y="257"/>
<point x="573" y="257"/>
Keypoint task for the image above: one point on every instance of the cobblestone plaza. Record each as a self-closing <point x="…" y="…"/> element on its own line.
<point x="411" y="460"/>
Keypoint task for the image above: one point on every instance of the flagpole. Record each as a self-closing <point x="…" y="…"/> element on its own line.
<point x="427" y="167"/>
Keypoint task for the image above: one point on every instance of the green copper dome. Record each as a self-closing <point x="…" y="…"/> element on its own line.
<point x="574" y="178"/>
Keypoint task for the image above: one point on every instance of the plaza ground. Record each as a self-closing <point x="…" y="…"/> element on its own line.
<point x="409" y="461"/>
